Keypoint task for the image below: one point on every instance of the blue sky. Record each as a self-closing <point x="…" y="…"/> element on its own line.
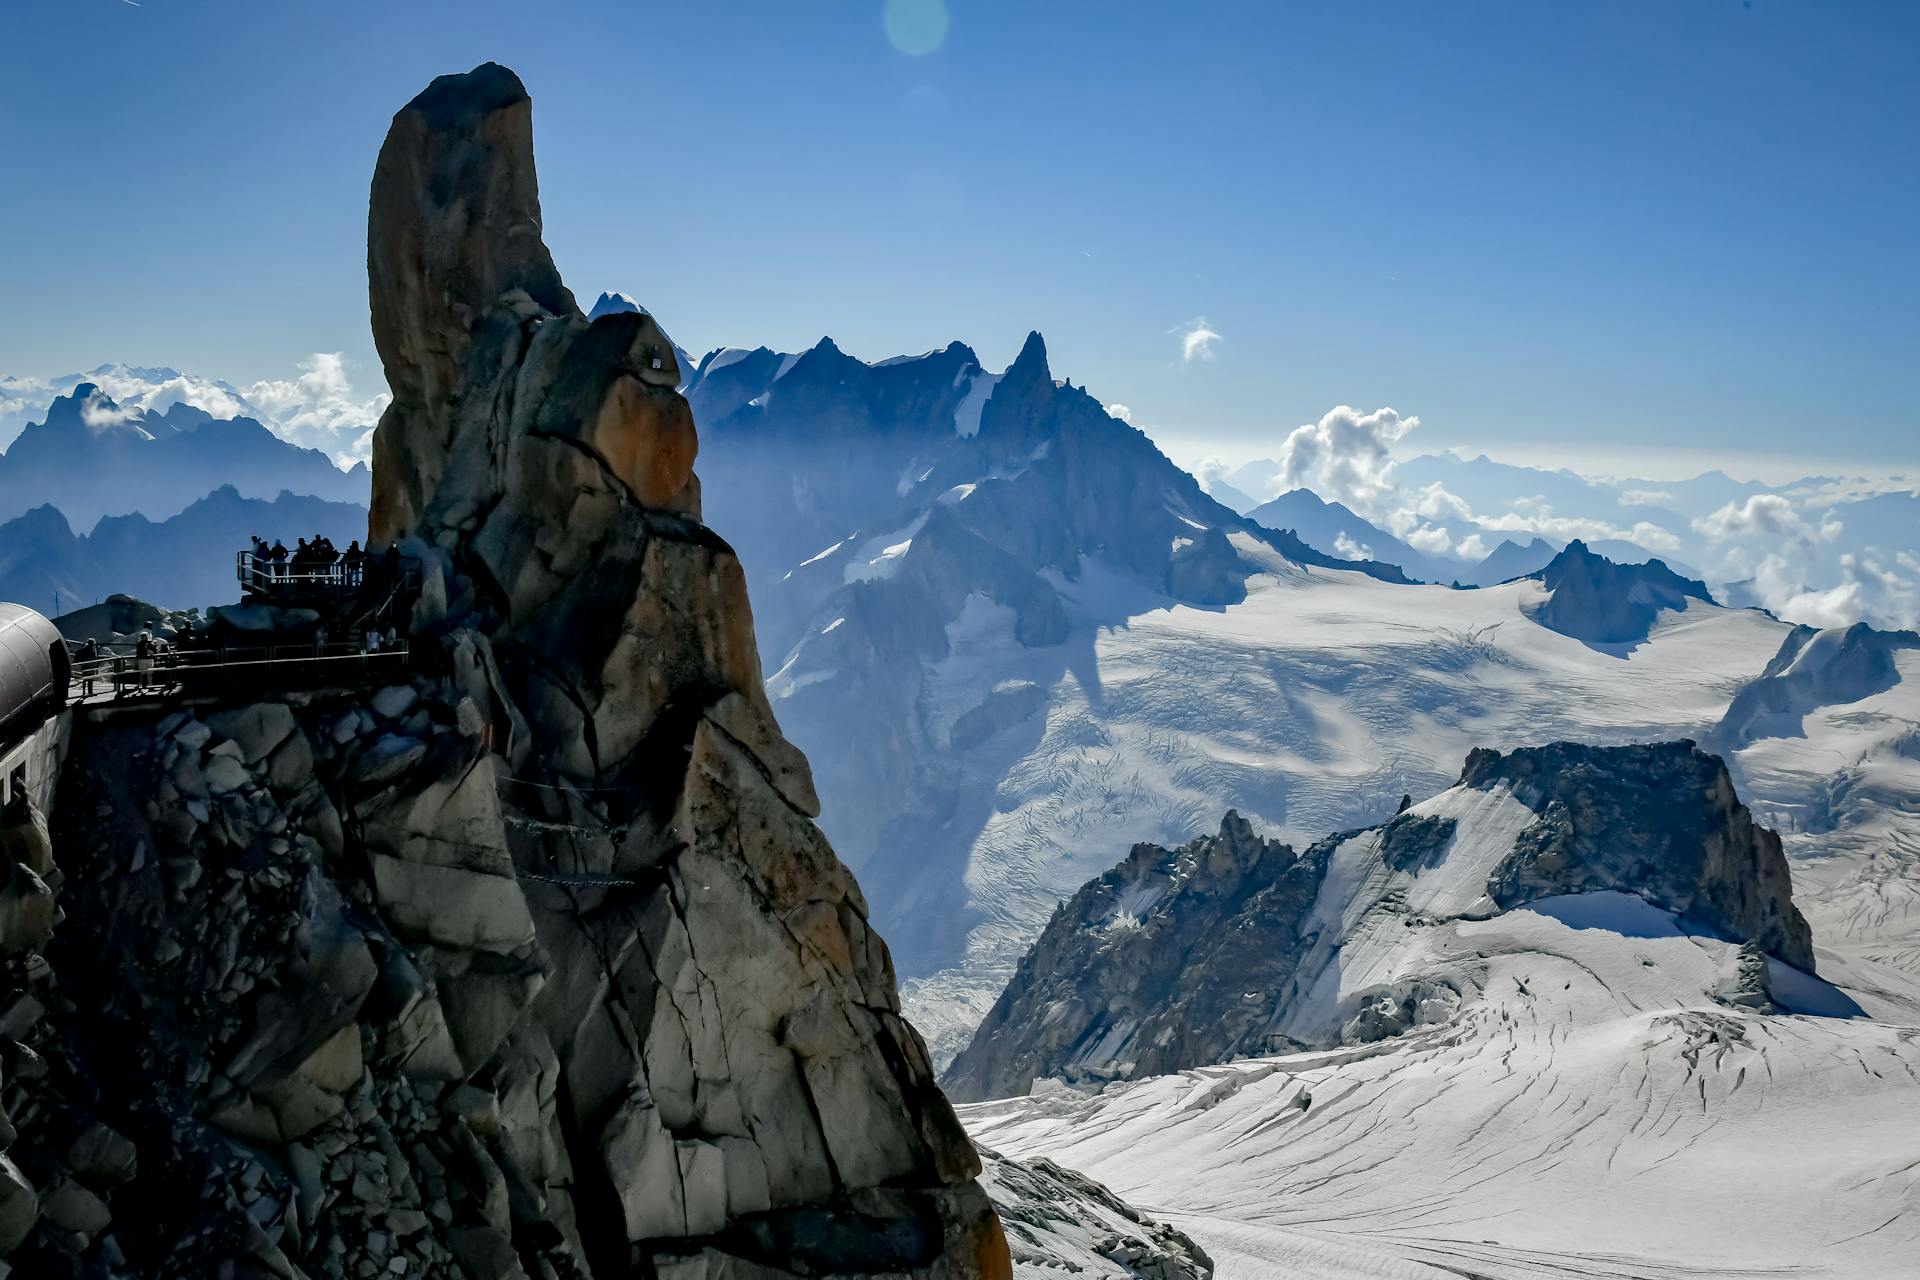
<point x="1639" y="237"/>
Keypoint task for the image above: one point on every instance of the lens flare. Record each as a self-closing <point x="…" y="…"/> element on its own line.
<point x="916" y="27"/>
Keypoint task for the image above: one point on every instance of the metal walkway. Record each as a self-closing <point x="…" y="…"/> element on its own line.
<point x="174" y="674"/>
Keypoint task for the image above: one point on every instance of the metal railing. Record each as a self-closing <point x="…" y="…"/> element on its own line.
<point x="174" y="671"/>
<point x="267" y="574"/>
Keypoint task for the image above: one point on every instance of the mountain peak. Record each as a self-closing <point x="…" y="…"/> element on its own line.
<point x="609" y="304"/>
<point x="1031" y="363"/>
<point x="1596" y="600"/>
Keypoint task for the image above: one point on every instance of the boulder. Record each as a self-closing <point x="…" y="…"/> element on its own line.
<point x="19" y="1206"/>
<point x="255" y="729"/>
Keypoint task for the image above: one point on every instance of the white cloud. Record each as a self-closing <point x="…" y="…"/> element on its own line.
<point x="1347" y="549"/>
<point x="141" y="389"/>
<point x="1653" y="537"/>
<point x="1472" y="547"/>
<point x="1762" y="513"/>
<point x="1436" y="503"/>
<point x="1198" y="340"/>
<point x="1539" y="517"/>
<point x="1120" y="411"/>
<point x="1645" y="498"/>
<point x="1431" y="539"/>
<point x="1346" y="456"/>
<point x="317" y="408"/>
<point x="1868" y="591"/>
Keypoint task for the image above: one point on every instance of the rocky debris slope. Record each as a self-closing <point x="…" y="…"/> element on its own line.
<point x="1596" y="600"/>
<point x="536" y="966"/>
<point x="1058" y="1220"/>
<point x="1234" y="944"/>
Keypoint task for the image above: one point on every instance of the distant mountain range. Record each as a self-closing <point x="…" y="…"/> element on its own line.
<point x="1821" y="549"/>
<point x="184" y="561"/>
<point x="99" y="498"/>
<point x="1334" y="528"/>
<point x="90" y="458"/>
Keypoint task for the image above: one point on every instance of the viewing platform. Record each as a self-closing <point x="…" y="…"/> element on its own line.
<point x="310" y="619"/>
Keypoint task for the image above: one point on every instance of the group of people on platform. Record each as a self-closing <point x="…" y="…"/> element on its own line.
<point x="315" y="558"/>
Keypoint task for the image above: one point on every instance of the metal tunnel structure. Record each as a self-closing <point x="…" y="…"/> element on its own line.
<point x="33" y="670"/>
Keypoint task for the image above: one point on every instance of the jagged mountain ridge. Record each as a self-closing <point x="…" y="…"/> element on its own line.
<point x="1234" y="945"/>
<point x="879" y="506"/>
<point x="833" y="451"/>
<point x="92" y="458"/>
<point x="983" y="752"/>
<point x="184" y="561"/>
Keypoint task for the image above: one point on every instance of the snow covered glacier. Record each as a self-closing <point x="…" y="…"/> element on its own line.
<point x="1610" y="1088"/>
<point x="1014" y="640"/>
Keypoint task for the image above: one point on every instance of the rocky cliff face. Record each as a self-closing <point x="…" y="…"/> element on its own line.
<point x="533" y="966"/>
<point x="1233" y="944"/>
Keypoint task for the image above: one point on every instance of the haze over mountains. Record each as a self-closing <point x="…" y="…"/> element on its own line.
<point x="1822" y="550"/>
<point x="99" y="497"/>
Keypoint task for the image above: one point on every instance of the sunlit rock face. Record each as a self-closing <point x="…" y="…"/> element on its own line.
<point x="732" y="1065"/>
<point x="525" y="963"/>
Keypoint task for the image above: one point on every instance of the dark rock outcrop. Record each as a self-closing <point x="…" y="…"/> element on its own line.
<point x="1813" y="669"/>
<point x="1661" y="821"/>
<point x="533" y="964"/>
<point x="1182" y="957"/>
<point x="1145" y="970"/>
<point x="1596" y="600"/>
